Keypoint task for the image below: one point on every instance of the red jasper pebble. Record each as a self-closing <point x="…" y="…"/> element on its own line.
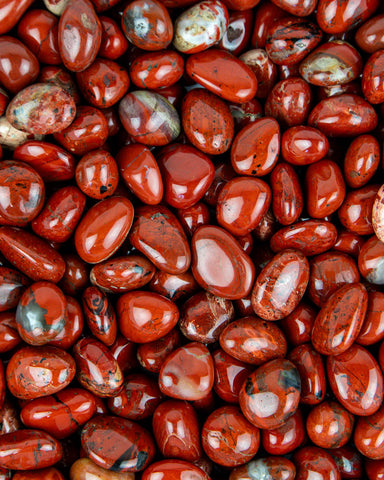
<point x="315" y="461"/>
<point x="99" y="315"/>
<point x="285" y="439"/>
<point x="174" y="470"/>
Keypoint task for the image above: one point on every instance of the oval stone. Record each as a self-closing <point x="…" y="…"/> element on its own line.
<point x="83" y="469"/>
<point x="219" y="264"/>
<point x="41" y="108"/>
<point x="103" y="229"/>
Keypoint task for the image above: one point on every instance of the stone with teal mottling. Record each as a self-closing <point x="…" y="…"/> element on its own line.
<point x="41" y="109"/>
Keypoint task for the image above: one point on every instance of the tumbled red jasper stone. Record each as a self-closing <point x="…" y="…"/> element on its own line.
<point x="28" y="449"/>
<point x="187" y="174"/>
<point x="41" y="108"/>
<point x="356" y="380"/>
<point x="329" y="271"/>
<point x="152" y="355"/>
<point x="50" y="161"/>
<point x="145" y="316"/>
<point x="187" y="373"/>
<point x="103" y="83"/>
<point x="60" y="77"/>
<point x="97" y="174"/>
<point x="210" y="69"/>
<point x="73" y="327"/>
<point x="369" y="36"/>
<point x="271" y="394"/>
<point x="117" y="444"/>
<point x="41" y="313"/>
<point x="228" y="438"/>
<point x="155" y="70"/>
<point x="99" y="315"/>
<point x="314" y="461"/>
<point x="355" y="214"/>
<point x="157" y="234"/>
<point x="87" y="132"/>
<point x="242" y="203"/>
<point x="174" y="470"/>
<point x="31" y="255"/>
<point x="13" y="284"/>
<point x="207" y="121"/>
<point x="176" y="430"/>
<point x="49" y="473"/>
<point x="60" y="215"/>
<point x="219" y="265"/>
<point x="18" y="65"/>
<point x="11" y="12"/>
<point x="140" y="172"/>
<point x="373" y="78"/>
<point x="23" y="193"/>
<point x="285" y="439"/>
<point x="79" y="35"/>
<point x="103" y="229"/>
<point x="287" y="196"/>
<point x="34" y="372"/>
<point x="97" y="369"/>
<point x="281" y="285"/>
<point x="372" y="330"/>
<point x="253" y="340"/>
<point x="361" y="160"/>
<point x="343" y="115"/>
<point x="256" y="147"/>
<point x="113" y="41"/>
<point x="59" y="415"/>
<point x="302" y="145"/>
<point x="335" y="17"/>
<point x="368" y="436"/>
<point x="121" y="274"/>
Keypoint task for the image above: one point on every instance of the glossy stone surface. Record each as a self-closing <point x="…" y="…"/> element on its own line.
<point x="9" y="337"/>
<point x="34" y="372"/>
<point x="310" y="365"/>
<point x="264" y="69"/>
<point x="113" y="41"/>
<point x="325" y="188"/>
<point x="238" y="440"/>
<point x="73" y="327"/>
<point x="256" y="147"/>
<point x="174" y="470"/>
<point x="138" y="399"/>
<point x="22" y="193"/>
<point x="252" y="340"/>
<point x="278" y="468"/>
<point x="193" y="217"/>
<point x="103" y="229"/>
<point x="103" y="83"/>
<point x="303" y="145"/>
<point x="335" y="17"/>
<point x="41" y="313"/>
<point x="369" y="261"/>
<point x="147" y="24"/>
<point x="204" y="316"/>
<point x="121" y="274"/>
<point x="361" y="160"/>
<point x="271" y="394"/>
<point x="176" y="430"/>
<point x="355" y="214"/>
<point x="97" y="369"/>
<point x="207" y="121"/>
<point x="280" y="285"/>
<point x="38" y="29"/>
<point x="149" y="118"/>
<point x="60" y="77"/>
<point x="49" y="473"/>
<point x="344" y="123"/>
<point x="60" y="215"/>
<point x="349" y="461"/>
<point x="219" y="265"/>
<point x="152" y="355"/>
<point x="290" y="39"/>
<point x="19" y="449"/>
<point x="329" y="425"/>
<point x="82" y="468"/>
<point x="87" y="132"/>
<point x="242" y="203"/>
<point x="314" y="461"/>
<point x="139" y="171"/>
<point x="340" y="320"/>
<point x="372" y="330"/>
<point x="373" y="81"/>
<point x="79" y="35"/>
<point x="287" y="438"/>
<point x="50" y="161"/>
<point x="237" y="35"/>
<point x="187" y="174"/>
<point x="75" y="278"/>
<point x="18" y="65"/>
<point x="99" y="315"/>
<point x="289" y="102"/>
<point x="356" y="380"/>
<point x="287" y="195"/>
<point x="187" y="373"/>
<point x="31" y="255"/>
<point x="117" y="444"/>
<point x="11" y="12"/>
<point x="157" y="234"/>
<point x="59" y="415"/>
<point x="145" y="316"/>
<point x="311" y="237"/>
<point x="333" y="63"/>
<point x="97" y="174"/>
<point x="230" y="375"/>
<point x="367" y="435"/>
<point x="209" y="68"/>
<point x="369" y="36"/>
